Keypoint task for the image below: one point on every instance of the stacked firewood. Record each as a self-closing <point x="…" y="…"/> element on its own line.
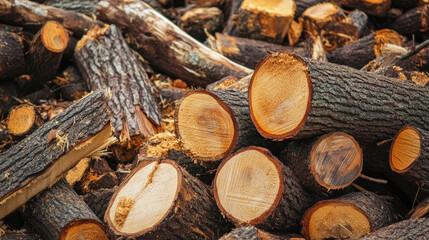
<point x="214" y="119"/>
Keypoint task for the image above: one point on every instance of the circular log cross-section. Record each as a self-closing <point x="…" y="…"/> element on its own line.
<point x="54" y="37"/>
<point x="160" y="200"/>
<point x="348" y="217"/>
<point x="22" y="119"/>
<point x="83" y="229"/>
<point x="409" y="155"/>
<point x="332" y="161"/>
<point x="252" y="187"/>
<point x="205" y="126"/>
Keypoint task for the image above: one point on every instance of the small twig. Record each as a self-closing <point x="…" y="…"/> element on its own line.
<point x="358" y="187"/>
<point x="377" y="180"/>
<point x="415" y="50"/>
<point x="415" y="198"/>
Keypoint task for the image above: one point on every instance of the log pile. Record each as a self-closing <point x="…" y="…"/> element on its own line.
<point x="214" y="119"/>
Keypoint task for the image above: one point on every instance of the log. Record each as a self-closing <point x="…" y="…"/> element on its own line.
<point x="12" y="62"/>
<point x="185" y="209"/>
<point x="98" y="200"/>
<point x="332" y="161"/>
<point x="413" y="21"/>
<point x="23" y="120"/>
<point x="44" y="57"/>
<point x="231" y="28"/>
<point x="313" y="48"/>
<point x="409" y="155"/>
<point x="348" y="217"/>
<point x="252" y="187"/>
<point x="212" y="125"/>
<point x="30" y="14"/>
<point x="330" y="98"/>
<point x="267" y="21"/>
<point x="360" y="20"/>
<point x="302" y="5"/>
<point x="253" y="233"/>
<point x="328" y="21"/>
<point x="295" y="31"/>
<point x="197" y="21"/>
<point x="247" y="52"/>
<point x="59" y="213"/>
<point x="407" y="229"/>
<point x="20" y="236"/>
<point x="168" y="48"/>
<point x="362" y="51"/>
<point x="86" y="7"/>
<point x="204" y="3"/>
<point x="420" y="211"/>
<point x="132" y="103"/>
<point x="73" y="88"/>
<point x="378" y="8"/>
<point x="42" y="158"/>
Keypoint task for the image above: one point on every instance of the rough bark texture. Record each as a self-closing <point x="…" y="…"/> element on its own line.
<point x="360" y="52"/>
<point x="360" y="20"/>
<point x="231" y="26"/>
<point x="407" y="229"/>
<point x="375" y="8"/>
<point x="19" y="236"/>
<point x="247" y="52"/>
<point x="418" y="172"/>
<point x="106" y="62"/>
<point x="378" y="211"/>
<point x="86" y="7"/>
<point x="31" y="14"/>
<point x="252" y="233"/>
<point x="42" y="62"/>
<point x="293" y="201"/>
<point x="353" y="101"/>
<point x="23" y="163"/>
<point x="194" y="214"/>
<point x="54" y="208"/>
<point x="166" y="46"/>
<point x="98" y="200"/>
<point x="197" y="21"/>
<point x="12" y="62"/>
<point x="413" y="21"/>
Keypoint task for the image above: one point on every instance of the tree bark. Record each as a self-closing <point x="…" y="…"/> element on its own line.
<point x="413" y="21"/>
<point x="192" y="215"/>
<point x="57" y="210"/>
<point x="376" y="211"/>
<point x="360" y="20"/>
<point x="98" y="200"/>
<point x="106" y="62"/>
<point x="360" y="52"/>
<point x="247" y="52"/>
<point x="291" y="199"/>
<point x="44" y="56"/>
<point x="86" y="7"/>
<point x="407" y="229"/>
<point x="166" y="46"/>
<point x="30" y="14"/>
<point x="332" y="161"/>
<point x="375" y="8"/>
<point x="341" y="99"/>
<point x="42" y="158"/>
<point x="197" y="21"/>
<point x="256" y="234"/>
<point x="12" y="62"/>
<point x="231" y="28"/>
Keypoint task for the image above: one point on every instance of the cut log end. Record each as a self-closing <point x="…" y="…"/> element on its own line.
<point x="405" y="150"/>
<point x="21" y="120"/>
<point x="248" y="186"/>
<point x="205" y="126"/>
<point x="321" y="11"/>
<point x="135" y="211"/>
<point x="83" y="229"/>
<point x="274" y="7"/>
<point x="335" y="220"/>
<point x="54" y="37"/>
<point x="279" y="100"/>
<point x="336" y="160"/>
<point x="383" y="37"/>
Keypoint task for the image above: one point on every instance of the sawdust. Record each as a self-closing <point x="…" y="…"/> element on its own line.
<point x="160" y="144"/>
<point x="122" y="211"/>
